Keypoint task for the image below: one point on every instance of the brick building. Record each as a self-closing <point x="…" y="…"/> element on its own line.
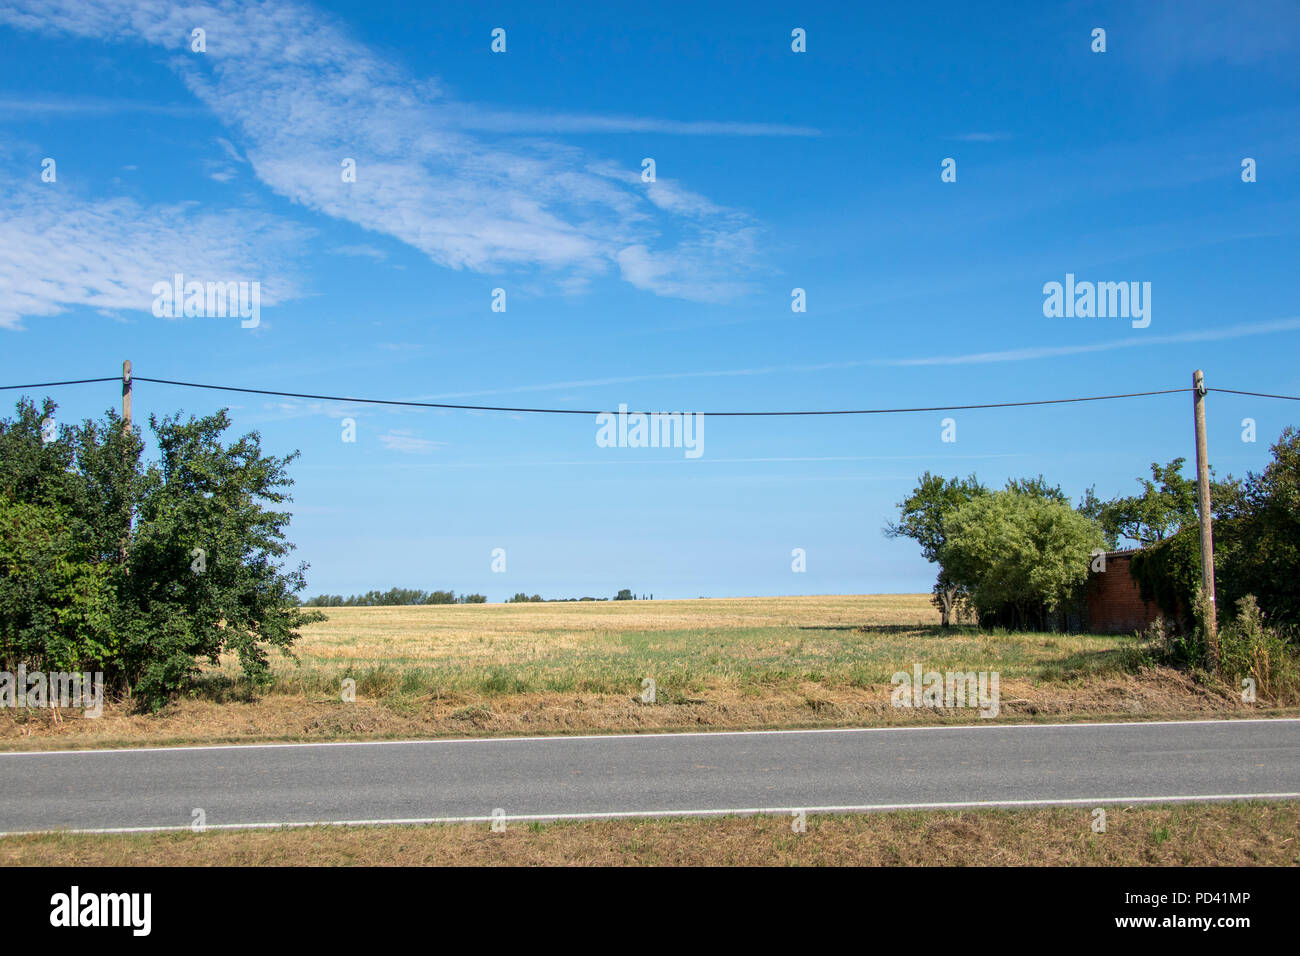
<point x="1115" y="604"/>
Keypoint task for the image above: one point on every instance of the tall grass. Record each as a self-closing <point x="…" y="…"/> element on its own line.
<point x="1252" y="654"/>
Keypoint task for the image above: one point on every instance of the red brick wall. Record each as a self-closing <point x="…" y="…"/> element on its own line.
<point x="1115" y="604"/>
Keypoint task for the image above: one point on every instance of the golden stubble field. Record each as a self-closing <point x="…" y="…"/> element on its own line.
<point x="467" y="635"/>
<point x="728" y="663"/>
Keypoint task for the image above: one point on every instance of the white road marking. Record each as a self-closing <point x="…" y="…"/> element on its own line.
<point x="651" y="814"/>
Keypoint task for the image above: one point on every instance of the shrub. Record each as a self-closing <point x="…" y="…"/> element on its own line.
<point x="1250" y="648"/>
<point x="1023" y="559"/>
<point x="142" y="572"/>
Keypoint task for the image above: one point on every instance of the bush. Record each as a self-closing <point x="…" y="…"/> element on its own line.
<point x="1257" y="551"/>
<point x="142" y="572"/>
<point x="55" y="601"/>
<point x="1165" y="642"/>
<point x="1023" y="559"/>
<point x="1249" y="648"/>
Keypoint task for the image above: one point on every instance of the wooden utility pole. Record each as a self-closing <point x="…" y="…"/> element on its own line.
<point x="126" y="396"/>
<point x="1207" y="532"/>
<point x="126" y="433"/>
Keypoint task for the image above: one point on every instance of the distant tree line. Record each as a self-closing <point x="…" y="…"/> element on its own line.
<point x="404" y="597"/>
<point x="394" y="597"/>
<point x="624" y="595"/>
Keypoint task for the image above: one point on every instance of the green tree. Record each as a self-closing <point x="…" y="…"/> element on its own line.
<point x="62" y="526"/>
<point x="142" y="573"/>
<point x="204" y="576"/>
<point x="1257" y="536"/>
<point x="55" y="599"/>
<point x="1019" y="554"/>
<point x="1037" y="488"/>
<point x="1092" y="508"/>
<point x="1164" y="521"/>
<point x="921" y="518"/>
<point x="1168" y="501"/>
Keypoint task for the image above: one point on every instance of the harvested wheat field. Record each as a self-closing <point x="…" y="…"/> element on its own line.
<point x="584" y="667"/>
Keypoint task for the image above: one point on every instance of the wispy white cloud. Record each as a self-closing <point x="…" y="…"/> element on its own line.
<point x="1130" y="342"/>
<point x="61" y="251"/>
<point x="462" y="116"/>
<point x="229" y="148"/>
<point x="501" y="121"/>
<point x="408" y="443"/>
<point x="292" y="409"/>
<point x="1033" y="353"/>
<point x="361" y="251"/>
<point x="300" y="95"/>
<point x="52" y="105"/>
<point x="221" y="173"/>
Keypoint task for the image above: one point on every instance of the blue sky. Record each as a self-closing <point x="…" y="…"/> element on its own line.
<point x="522" y="170"/>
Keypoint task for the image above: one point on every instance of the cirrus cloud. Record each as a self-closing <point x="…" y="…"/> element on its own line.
<point x="297" y="94"/>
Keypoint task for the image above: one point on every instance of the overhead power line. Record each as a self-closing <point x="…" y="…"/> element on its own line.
<point x="77" y="381"/>
<point x="1233" y="391"/>
<point x="590" y="411"/>
<point x="598" y="411"/>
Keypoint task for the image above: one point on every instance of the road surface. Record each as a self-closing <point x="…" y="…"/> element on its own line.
<point x="649" y="774"/>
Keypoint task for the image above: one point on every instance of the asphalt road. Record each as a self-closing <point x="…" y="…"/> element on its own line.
<point x="643" y="775"/>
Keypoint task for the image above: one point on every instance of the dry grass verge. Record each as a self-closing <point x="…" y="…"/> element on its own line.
<point x="1151" y="695"/>
<point x="1218" y="834"/>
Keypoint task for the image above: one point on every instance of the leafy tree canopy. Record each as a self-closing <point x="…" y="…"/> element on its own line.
<point x="1019" y="551"/>
<point x="142" y="571"/>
